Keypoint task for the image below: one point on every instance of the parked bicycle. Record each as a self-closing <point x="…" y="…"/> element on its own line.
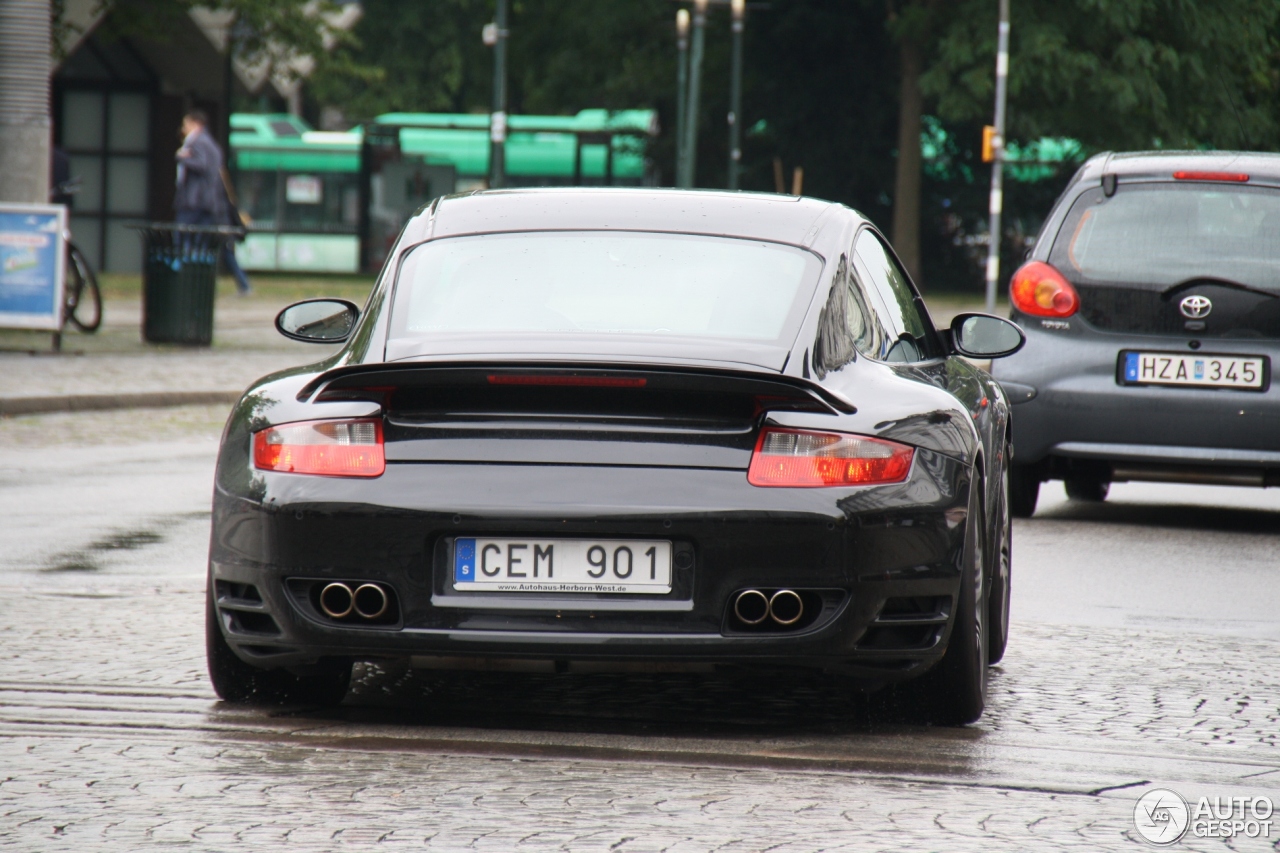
<point x="82" y="298"/>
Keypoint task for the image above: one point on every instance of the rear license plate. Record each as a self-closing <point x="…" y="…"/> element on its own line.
<point x="1206" y="370"/>
<point x="562" y="565"/>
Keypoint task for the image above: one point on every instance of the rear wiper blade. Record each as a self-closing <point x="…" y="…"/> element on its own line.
<point x="1218" y="282"/>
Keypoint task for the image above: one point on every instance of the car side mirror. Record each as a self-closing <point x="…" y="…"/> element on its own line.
<point x="318" y="321"/>
<point x="985" y="336"/>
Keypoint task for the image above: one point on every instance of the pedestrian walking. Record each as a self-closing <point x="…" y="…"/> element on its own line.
<point x="200" y="196"/>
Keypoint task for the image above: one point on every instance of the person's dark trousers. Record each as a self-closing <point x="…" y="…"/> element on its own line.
<point x="233" y="267"/>
<point x="194" y="217"/>
<point x="202" y="217"/>
<point x="189" y="242"/>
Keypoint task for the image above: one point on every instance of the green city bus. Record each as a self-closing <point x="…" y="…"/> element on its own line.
<point x="322" y="201"/>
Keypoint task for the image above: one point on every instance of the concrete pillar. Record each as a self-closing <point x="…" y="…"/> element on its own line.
<point x="24" y="100"/>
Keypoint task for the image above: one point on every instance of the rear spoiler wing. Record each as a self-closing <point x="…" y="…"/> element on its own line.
<point x="378" y="382"/>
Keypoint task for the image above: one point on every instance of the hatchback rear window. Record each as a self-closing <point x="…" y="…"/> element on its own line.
<point x="1164" y="234"/>
<point x="604" y="283"/>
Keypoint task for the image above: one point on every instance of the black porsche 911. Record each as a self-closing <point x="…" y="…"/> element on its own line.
<point x="595" y="429"/>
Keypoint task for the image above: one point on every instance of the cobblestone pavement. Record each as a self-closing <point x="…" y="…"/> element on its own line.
<point x="110" y="738"/>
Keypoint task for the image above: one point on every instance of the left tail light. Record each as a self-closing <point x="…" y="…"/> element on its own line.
<point x="1041" y="291"/>
<point x="805" y="459"/>
<point x="323" y="448"/>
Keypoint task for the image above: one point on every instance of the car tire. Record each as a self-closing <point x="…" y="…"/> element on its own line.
<point x="241" y="683"/>
<point x="1001" y="578"/>
<point x="956" y="689"/>
<point x="1090" y="489"/>
<point x="1024" y="490"/>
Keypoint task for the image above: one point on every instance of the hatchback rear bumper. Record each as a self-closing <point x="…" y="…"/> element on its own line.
<point x="1069" y="405"/>
<point x="1163" y="463"/>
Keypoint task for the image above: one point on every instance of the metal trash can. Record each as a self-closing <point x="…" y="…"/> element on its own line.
<point x="179" y="274"/>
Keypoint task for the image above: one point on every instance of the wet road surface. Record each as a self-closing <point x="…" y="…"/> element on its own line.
<point x="1143" y="652"/>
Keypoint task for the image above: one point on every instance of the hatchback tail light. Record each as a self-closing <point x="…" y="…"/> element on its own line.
<point x="324" y="448"/>
<point x="804" y="459"/>
<point x="1041" y="291"/>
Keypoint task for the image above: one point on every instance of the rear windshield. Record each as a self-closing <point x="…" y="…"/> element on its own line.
<point x="1164" y="234"/>
<point x="610" y="283"/>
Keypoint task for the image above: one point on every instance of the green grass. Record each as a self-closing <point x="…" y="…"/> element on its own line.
<point x="270" y="293"/>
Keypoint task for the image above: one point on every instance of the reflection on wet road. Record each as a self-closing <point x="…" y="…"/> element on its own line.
<point x="1142" y="653"/>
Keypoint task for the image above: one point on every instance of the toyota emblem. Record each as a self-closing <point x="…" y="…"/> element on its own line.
<point x="1195" y="307"/>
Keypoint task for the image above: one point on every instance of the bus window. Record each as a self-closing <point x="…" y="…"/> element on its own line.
<point x="322" y="201"/>
<point x="256" y="197"/>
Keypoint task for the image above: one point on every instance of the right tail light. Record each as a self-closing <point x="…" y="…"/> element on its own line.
<point x="1041" y="291"/>
<point x="798" y="459"/>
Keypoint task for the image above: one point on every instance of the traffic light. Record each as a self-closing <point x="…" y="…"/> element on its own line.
<point x="988" y="144"/>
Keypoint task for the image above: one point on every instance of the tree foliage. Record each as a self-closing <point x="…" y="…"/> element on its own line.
<point x="275" y="31"/>
<point x="428" y="55"/>
<point x="1113" y="74"/>
<point x="1120" y="73"/>
<point x="822" y="86"/>
<point x="562" y="54"/>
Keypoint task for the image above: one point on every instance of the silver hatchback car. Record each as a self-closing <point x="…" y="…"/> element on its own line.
<point x="1151" y="305"/>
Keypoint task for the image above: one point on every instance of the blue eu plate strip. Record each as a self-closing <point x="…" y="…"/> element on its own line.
<point x="464" y="560"/>
<point x="1131" y="366"/>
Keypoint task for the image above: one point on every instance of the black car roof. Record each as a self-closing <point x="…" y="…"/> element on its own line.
<point x="765" y="216"/>
<point x="1261" y="167"/>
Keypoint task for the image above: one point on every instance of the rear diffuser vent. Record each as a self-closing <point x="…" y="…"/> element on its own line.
<point x="253" y="623"/>
<point x="243" y="610"/>
<point x="908" y="623"/>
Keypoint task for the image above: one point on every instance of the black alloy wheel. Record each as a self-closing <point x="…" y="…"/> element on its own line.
<point x="956" y="689"/>
<point x="238" y="682"/>
<point x="1086" y="488"/>
<point x="1024" y="490"/>
<point x="1001" y="576"/>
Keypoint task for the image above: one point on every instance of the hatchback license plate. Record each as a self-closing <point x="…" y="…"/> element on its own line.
<point x="1198" y="370"/>
<point x="562" y="565"/>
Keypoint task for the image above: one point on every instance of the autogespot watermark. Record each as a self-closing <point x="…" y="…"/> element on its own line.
<point x="1163" y="817"/>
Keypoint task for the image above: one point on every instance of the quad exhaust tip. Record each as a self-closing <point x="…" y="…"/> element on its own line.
<point x="752" y="607"/>
<point x="786" y="607"/>
<point x="337" y="601"/>
<point x="369" y="601"/>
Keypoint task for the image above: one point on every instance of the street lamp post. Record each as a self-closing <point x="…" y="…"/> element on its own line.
<point x="695" y="83"/>
<point x="997" y="167"/>
<point x="738" y="9"/>
<point x="495" y="35"/>
<point x="682" y="89"/>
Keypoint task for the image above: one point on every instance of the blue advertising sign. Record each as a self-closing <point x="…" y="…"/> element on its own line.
<point x="31" y="265"/>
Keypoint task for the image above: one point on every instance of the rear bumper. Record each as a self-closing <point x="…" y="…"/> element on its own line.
<point x="1068" y="405"/>
<point x="856" y="548"/>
